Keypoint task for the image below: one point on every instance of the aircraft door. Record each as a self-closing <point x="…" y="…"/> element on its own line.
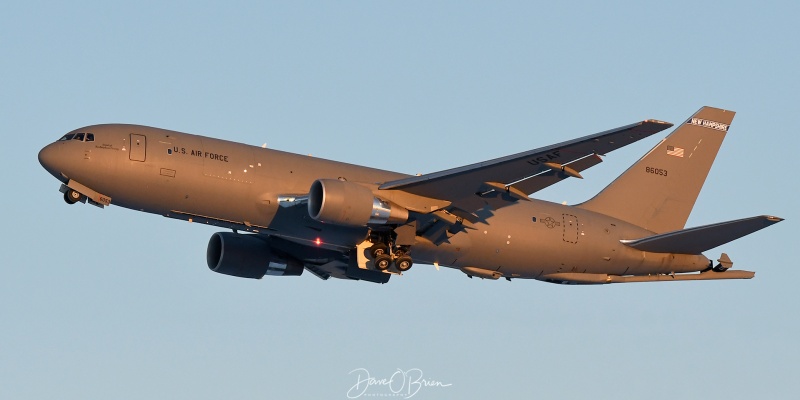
<point x="138" y="150"/>
<point x="571" y="228"/>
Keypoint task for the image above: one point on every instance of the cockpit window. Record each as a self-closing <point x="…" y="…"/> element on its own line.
<point x="80" y="136"/>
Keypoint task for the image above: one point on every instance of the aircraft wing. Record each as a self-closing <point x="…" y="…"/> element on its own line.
<point x="511" y="178"/>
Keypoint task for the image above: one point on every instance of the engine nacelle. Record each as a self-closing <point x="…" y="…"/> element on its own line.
<point x="346" y="203"/>
<point x="248" y="256"/>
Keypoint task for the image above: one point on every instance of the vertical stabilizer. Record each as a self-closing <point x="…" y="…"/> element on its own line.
<point x="659" y="191"/>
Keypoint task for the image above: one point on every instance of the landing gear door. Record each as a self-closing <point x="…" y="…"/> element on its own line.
<point x="138" y="147"/>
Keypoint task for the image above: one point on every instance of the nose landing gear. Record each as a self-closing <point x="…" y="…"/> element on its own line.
<point x="71" y="196"/>
<point x="75" y="192"/>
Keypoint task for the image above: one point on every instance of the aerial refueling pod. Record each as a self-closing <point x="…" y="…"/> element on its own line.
<point x="346" y="203"/>
<point x="481" y="273"/>
<point x="248" y="256"/>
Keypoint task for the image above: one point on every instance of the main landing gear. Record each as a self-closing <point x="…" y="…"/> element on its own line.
<point x="383" y="257"/>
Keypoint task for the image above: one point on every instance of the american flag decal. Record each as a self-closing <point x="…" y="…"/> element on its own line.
<point x="674" y="151"/>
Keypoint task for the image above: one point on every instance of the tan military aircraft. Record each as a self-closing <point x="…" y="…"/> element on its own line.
<point x="351" y="222"/>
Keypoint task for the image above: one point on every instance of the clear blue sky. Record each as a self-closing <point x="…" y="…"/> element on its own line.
<point x="116" y="304"/>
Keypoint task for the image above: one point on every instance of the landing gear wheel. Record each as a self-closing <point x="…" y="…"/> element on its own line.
<point x="403" y="263"/>
<point x="383" y="262"/>
<point x="378" y="249"/>
<point x="72" y="197"/>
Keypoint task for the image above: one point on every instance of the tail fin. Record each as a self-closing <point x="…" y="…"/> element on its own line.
<point x="659" y="191"/>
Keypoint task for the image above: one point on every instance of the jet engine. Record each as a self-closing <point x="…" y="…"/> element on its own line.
<point x="346" y="203"/>
<point x="248" y="256"/>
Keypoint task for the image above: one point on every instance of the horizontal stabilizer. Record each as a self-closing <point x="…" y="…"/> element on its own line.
<point x="699" y="239"/>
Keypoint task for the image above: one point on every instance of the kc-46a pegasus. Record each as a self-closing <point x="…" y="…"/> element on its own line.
<point x="289" y="213"/>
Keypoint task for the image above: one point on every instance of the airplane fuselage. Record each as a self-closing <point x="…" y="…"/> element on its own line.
<point x="241" y="187"/>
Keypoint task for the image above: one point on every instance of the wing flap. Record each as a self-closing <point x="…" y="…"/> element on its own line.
<point x="699" y="239"/>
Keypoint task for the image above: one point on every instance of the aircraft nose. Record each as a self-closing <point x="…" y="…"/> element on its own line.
<point x="49" y="157"/>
